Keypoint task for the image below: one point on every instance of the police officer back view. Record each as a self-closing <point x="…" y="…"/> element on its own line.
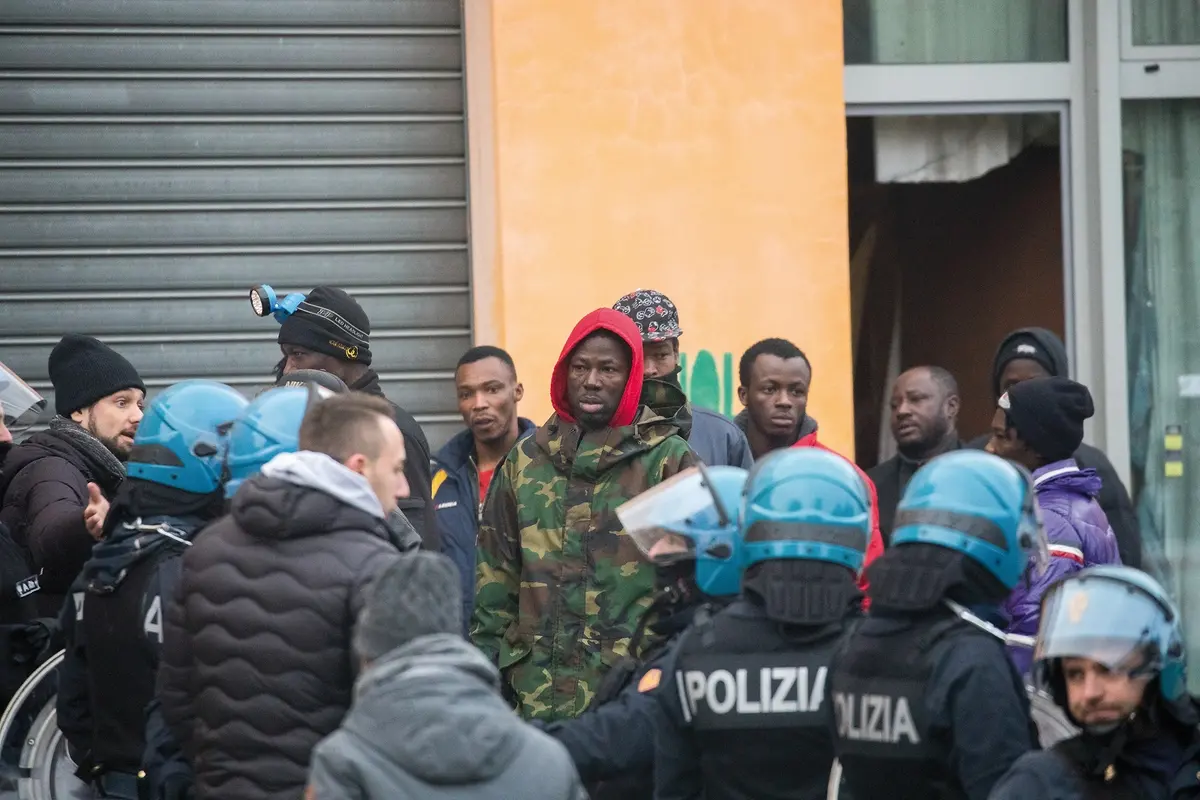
<point x="1111" y="654"/>
<point x="744" y="709"/>
<point x="112" y="621"/>
<point x="926" y="703"/>
<point x="687" y="526"/>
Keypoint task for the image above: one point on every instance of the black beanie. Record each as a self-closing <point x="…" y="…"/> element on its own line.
<point x="332" y="322"/>
<point x="84" y="369"/>
<point x="1036" y="344"/>
<point x="1048" y="414"/>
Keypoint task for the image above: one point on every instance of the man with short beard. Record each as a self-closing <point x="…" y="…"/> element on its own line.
<point x="56" y="485"/>
<point x="924" y="423"/>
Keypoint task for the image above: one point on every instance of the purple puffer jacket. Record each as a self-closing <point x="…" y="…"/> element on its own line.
<point x="1078" y="534"/>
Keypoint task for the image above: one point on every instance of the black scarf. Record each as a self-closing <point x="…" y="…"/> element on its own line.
<point x="107" y="470"/>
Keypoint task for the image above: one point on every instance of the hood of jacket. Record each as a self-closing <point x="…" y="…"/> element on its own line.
<point x="602" y="319"/>
<point x="808" y="425"/>
<point x="433" y="707"/>
<point x="455" y="453"/>
<point x="1056" y="351"/>
<point x="665" y="397"/>
<point x="306" y="494"/>
<point x="590" y="454"/>
<point x="319" y="471"/>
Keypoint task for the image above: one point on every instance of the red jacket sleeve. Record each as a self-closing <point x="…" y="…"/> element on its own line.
<point x="875" y="546"/>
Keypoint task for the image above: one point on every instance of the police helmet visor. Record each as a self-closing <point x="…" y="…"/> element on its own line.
<point x="657" y="518"/>
<point x="20" y="404"/>
<point x="1106" y="621"/>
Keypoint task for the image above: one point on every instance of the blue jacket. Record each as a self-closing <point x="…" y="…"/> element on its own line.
<point x="717" y="440"/>
<point x="455" y="492"/>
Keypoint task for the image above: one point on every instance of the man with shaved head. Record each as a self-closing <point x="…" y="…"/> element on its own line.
<point x="924" y="422"/>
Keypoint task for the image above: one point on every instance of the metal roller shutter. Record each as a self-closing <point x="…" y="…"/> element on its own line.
<point x="159" y="158"/>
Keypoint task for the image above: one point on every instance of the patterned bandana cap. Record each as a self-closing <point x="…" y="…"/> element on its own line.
<point x="653" y="313"/>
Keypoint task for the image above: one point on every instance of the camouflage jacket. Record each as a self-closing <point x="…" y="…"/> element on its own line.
<point x="560" y="587"/>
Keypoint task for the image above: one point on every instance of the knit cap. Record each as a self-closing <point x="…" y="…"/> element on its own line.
<point x="84" y="370"/>
<point x="1048" y="414"/>
<point x="332" y="322"/>
<point x="418" y="594"/>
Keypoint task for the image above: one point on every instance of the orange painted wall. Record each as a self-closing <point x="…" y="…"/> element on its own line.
<point x="696" y="147"/>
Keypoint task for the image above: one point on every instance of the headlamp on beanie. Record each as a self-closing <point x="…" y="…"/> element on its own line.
<point x="328" y="321"/>
<point x="264" y="302"/>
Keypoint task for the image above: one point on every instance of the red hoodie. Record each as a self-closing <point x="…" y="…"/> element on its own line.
<point x="602" y="319"/>
<point x="875" y="546"/>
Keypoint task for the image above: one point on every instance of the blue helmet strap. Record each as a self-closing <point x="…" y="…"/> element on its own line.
<point x="846" y="537"/>
<point x="976" y="527"/>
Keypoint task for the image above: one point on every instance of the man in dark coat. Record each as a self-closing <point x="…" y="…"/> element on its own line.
<point x="256" y="662"/>
<point x="56" y="485"/>
<point x="1038" y="353"/>
<point x="330" y="332"/>
<point x="924" y="423"/>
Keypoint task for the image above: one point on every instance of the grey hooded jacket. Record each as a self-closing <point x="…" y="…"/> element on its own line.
<point x="428" y="721"/>
<point x="256" y="663"/>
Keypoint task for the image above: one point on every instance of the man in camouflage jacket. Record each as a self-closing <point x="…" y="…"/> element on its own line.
<point x="560" y="587"/>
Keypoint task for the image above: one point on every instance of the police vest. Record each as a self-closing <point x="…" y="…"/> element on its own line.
<point x="877" y="689"/>
<point x="121" y="633"/>
<point x="754" y="696"/>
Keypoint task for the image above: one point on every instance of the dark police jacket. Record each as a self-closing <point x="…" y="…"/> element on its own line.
<point x="1160" y="766"/>
<point x="612" y="741"/>
<point x="743" y="699"/>
<point x="925" y="707"/>
<point x="113" y="625"/>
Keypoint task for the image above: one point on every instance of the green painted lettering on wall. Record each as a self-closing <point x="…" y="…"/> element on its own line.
<point x="704" y="384"/>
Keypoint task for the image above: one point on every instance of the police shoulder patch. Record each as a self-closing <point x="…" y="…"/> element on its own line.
<point x="650" y="680"/>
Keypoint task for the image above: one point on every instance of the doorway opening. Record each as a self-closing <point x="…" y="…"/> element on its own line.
<point x="956" y="238"/>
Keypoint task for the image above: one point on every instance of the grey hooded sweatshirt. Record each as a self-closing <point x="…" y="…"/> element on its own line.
<point x="428" y="721"/>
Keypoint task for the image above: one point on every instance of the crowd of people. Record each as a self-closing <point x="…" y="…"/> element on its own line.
<point x="637" y="598"/>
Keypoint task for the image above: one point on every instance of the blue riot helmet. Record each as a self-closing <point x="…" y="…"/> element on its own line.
<point x="182" y="439"/>
<point x="1117" y="616"/>
<point x="270" y="425"/>
<point x="979" y="505"/>
<point x="692" y="517"/>
<point x="806" y="504"/>
<point x="264" y="302"/>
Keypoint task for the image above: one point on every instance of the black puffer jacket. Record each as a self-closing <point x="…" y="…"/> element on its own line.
<point x="257" y="665"/>
<point x="42" y="496"/>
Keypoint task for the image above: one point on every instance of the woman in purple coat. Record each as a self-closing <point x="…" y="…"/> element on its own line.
<point x="1039" y="424"/>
